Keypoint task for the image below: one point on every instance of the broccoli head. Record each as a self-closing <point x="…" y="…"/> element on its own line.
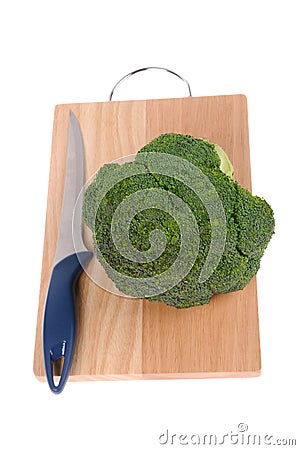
<point x="173" y="226"/>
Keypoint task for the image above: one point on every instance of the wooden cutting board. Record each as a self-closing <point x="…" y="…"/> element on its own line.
<point x="122" y="338"/>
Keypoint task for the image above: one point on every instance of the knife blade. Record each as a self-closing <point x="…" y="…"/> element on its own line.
<point x="59" y="324"/>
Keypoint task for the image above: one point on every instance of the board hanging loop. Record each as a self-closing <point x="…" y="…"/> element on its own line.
<point x="150" y="68"/>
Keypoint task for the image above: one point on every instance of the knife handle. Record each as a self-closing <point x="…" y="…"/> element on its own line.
<point x="59" y="327"/>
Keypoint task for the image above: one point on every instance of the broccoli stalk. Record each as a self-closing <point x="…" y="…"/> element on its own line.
<point x="156" y="233"/>
<point x="225" y="164"/>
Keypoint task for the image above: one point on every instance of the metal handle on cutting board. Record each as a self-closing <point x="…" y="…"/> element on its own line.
<point x="149" y="68"/>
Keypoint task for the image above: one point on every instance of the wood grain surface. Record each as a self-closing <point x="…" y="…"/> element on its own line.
<point x="122" y="338"/>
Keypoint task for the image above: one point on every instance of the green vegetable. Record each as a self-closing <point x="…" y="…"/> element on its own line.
<point x="225" y="165"/>
<point x="155" y="234"/>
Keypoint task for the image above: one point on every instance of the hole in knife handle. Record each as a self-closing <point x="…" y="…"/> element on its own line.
<point x="57" y="367"/>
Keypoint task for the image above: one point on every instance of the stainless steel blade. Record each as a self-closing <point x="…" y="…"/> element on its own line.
<point x="74" y="183"/>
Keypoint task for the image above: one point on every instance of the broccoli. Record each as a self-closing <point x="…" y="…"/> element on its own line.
<point x="142" y="213"/>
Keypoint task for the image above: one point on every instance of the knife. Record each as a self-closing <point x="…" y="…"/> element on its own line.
<point x="59" y="326"/>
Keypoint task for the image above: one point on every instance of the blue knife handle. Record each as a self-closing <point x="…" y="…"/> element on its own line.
<point x="59" y="328"/>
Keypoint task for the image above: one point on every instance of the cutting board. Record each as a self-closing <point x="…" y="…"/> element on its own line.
<point x="124" y="338"/>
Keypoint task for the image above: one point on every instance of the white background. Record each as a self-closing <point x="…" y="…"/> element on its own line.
<point x="70" y="51"/>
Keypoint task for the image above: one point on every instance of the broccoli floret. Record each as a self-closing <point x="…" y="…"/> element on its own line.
<point x="157" y="210"/>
